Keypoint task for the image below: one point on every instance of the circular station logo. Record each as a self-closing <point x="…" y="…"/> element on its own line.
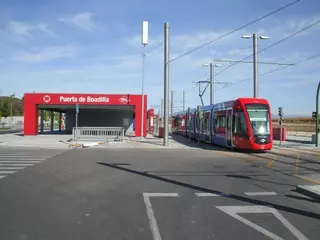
<point x="46" y="98"/>
<point x="124" y="100"/>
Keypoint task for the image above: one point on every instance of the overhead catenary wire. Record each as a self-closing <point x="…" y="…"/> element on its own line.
<point x="159" y="44"/>
<point x="235" y="30"/>
<point x="270" y="71"/>
<point x="272" y="45"/>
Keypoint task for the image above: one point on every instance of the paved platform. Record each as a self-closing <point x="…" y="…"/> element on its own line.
<point x="299" y="139"/>
<point x="54" y="141"/>
<point x="63" y="141"/>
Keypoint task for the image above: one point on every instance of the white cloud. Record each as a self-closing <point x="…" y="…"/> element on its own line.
<point x="18" y="28"/>
<point x="44" y="27"/>
<point x="82" y="20"/>
<point x="46" y="54"/>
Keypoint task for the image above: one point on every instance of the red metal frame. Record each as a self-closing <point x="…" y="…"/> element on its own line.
<point x="32" y="100"/>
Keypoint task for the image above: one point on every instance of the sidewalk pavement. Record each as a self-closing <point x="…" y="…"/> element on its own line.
<point x="299" y="139"/>
<point x="40" y="141"/>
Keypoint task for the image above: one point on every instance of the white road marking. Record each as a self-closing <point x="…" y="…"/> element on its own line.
<point x="2" y="176"/>
<point x="260" y="193"/>
<point x="16" y="164"/>
<point x="152" y="220"/>
<point x="161" y="194"/>
<point x="23" y="158"/>
<point x="207" y="195"/>
<point x="235" y="210"/>
<point x="19" y="161"/>
<point x="11" y="168"/>
<point x="7" y="172"/>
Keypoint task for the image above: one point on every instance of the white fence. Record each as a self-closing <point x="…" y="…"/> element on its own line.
<point x="98" y="134"/>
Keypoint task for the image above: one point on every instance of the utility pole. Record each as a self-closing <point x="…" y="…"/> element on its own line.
<point x="211" y="84"/>
<point x="255" y="66"/>
<point x="183" y="100"/>
<point x="144" y="42"/>
<point x="171" y="103"/>
<point x="255" y="61"/>
<point x="317" y="117"/>
<point x="166" y="82"/>
<point x="161" y="109"/>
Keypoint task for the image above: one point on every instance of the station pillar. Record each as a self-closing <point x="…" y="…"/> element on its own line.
<point x="52" y="121"/>
<point x="41" y="121"/>
<point x="60" y="120"/>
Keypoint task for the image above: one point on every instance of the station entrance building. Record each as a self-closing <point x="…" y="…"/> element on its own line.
<point x="100" y="110"/>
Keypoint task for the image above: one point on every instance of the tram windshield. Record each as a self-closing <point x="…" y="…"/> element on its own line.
<point x="259" y="118"/>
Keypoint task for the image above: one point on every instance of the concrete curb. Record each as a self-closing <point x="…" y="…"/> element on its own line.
<point x="299" y="141"/>
<point x="312" y="191"/>
<point x="10" y="131"/>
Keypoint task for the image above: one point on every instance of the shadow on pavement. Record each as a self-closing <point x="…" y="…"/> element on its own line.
<point x="302" y="198"/>
<point x="202" y="189"/>
<point x="288" y="163"/>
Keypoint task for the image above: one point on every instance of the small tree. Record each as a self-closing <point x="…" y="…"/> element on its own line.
<point x="5" y="110"/>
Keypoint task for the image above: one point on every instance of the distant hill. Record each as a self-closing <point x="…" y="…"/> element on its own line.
<point x="17" y="105"/>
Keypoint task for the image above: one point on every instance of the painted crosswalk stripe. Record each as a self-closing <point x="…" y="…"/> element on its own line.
<point x="7" y="172"/>
<point x="20" y="161"/>
<point x="260" y="193"/>
<point x="16" y="164"/>
<point x="24" y="157"/>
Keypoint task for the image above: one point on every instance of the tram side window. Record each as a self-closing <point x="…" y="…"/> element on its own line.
<point x="205" y="123"/>
<point x="239" y="124"/>
<point x="219" y="123"/>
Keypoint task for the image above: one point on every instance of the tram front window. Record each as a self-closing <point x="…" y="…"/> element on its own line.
<point x="259" y="118"/>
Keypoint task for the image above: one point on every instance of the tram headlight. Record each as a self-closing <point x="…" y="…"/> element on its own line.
<point x="262" y="130"/>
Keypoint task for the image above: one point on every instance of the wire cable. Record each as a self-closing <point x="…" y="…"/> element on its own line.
<point x="270" y="71"/>
<point x="154" y="48"/>
<point x="235" y="30"/>
<point x="272" y="45"/>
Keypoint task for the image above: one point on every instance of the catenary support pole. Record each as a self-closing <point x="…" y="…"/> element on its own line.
<point x="171" y="103"/>
<point x="255" y="66"/>
<point x="183" y="100"/>
<point x="166" y="83"/>
<point x="317" y="117"/>
<point x="161" y="110"/>
<point x="142" y="92"/>
<point x="211" y="84"/>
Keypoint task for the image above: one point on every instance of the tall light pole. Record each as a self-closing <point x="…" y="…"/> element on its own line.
<point x="166" y="82"/>
<point x="255" y="61"/>
<point x="11" y="107"/>
<point x="144" y="42"/>
<point x="211" y="79"/>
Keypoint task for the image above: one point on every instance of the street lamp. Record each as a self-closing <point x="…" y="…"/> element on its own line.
<point x="11" y="106"/>
<point x="255" y="60"/>
<point x="211" y="79"/>
<point x="144" y="42"/>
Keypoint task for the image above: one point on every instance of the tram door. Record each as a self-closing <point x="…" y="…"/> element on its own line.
<point x="229" y="127"/>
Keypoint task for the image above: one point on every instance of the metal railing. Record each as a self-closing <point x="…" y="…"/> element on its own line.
<point x="98" y="134"/>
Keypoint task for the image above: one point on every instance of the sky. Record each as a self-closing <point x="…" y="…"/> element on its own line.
<point x="95" y="46"/>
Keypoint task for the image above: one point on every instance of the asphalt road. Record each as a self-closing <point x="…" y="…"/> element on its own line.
<point x="152" y="194"/>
